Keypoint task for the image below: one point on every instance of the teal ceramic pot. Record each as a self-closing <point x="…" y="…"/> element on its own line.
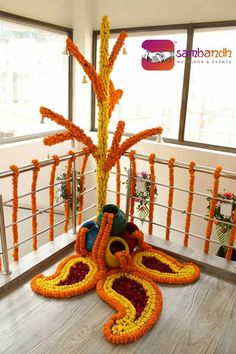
<point x="119" y="221"/>
<point x="91" y="234"/>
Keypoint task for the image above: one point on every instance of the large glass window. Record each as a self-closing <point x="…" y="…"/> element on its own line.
<point x="194" y="101"/>
<point x="33" y="72"/>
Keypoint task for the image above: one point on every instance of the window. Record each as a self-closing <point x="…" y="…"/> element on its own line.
<point x="194" y="102"/>
<point x="33" y="72"/>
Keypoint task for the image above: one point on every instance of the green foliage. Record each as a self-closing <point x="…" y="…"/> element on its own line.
<point x="61" y="191"/>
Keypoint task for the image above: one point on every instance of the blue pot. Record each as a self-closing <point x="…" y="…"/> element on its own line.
<point x="119" y="220"/>
<point x="91" y="234"/>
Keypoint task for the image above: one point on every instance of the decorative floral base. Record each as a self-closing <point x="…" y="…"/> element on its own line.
<point x="165" y="269"/>
<point x="137" y="300"/>
<point x="129" y="289"/>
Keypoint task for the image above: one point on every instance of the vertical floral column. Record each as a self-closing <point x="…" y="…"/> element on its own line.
<point x="103" y="117"/>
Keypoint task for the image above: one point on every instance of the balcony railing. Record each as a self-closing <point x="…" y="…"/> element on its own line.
<point x="127" y="198"/>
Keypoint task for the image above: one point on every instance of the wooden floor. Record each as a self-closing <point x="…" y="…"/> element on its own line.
<point x="197" y="318"/>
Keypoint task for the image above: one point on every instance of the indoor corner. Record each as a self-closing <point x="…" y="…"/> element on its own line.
<point x="117" y="176"/>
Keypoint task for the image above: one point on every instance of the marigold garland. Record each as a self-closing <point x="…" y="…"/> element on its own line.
<point x="232" y="239"/>
<point x="68" y="190"/>
<point x="34" y="204"/>
<point x="152" y="192"/>
<point x="115" y="96"/>
<point x="82" y="179"/>
<point x="51" y="196"/>
<point x="190" y="201"/>
<point x="15" y="176"/>
<point x="80" y="242"/>
<point x="99" y="236"/>
<point x="211" y="214"/>
<point x="170" y="197"/>
<point x="133" y="183"/>
<point x="112" y="155"/>
<point x="118" y="179"/>
<point x="103" y="243"/>
<point x="116" y="49"/>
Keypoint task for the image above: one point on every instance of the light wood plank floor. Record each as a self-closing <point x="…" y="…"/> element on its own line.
<point x="197" y="318"/>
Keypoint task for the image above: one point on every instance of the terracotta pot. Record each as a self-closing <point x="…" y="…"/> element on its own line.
<point x="119" y="221"/>
<point x="115" y="244"/>
<point x="91" y="235"/>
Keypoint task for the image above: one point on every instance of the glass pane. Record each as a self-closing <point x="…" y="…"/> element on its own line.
<point x="151" y="98"/>
<point x="33" y="73"/>
<point x="211" y="113"/>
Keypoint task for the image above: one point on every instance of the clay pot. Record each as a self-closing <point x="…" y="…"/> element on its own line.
<point x="91" y="234"/>
<point x="131" y="241"/>
<point x="115" y="244"/>
<point x="119" y="221"/>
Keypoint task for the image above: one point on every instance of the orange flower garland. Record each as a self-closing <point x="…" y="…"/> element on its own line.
<point x="99" y="236"/>
<point x="133" y="183"/>
<point x="15" y="176"/>
<point x="152" y="192"/>
<point x="74" y="131"/>
<point x="51" y="196"/>
<point x="116" y="49"/>
<point x="68" y="190"/>
<point x="80" y="242"/>
<point x="231" y="239"/>
<point x="118" y="172"/>
<point x="211" y="214"/>
<point x="112" y="155"/>
<point x="82" y="179"/>
<point x="88" y="69"/>
<point x="190" y="201"/>
<point x="104" y="242"/>
<point x="115" y="96"/>
<point x="170" y="197"/>
<point x="34" y="204"/>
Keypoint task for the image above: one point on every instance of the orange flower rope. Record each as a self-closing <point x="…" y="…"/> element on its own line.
<point x="82" y="179"/>
<point x="68" y="190"/>
<point x="133" y="183"/>
<point x="104" y="242"/>
<point x="51" y="196"/>
<point x="34" y="204"/>
<point x="152" y="192"/>
<point x="15" y="176"/>
<point x="190" y="201"/>
<point x="118" y="183"/>
<point x="114" y="97"/>
<point x="99" y="236"/>
<point x="128" y="143"/>
<point x="75" y="131"/>
<point x="80" y="244"/>
<point x="88" y="69"/>
<point x="170" y="197"/>
<point x="231" y="239"/>
<point x="211" y="214"/>
<point x="116" y="49"/>
<point x="112" y="155"/>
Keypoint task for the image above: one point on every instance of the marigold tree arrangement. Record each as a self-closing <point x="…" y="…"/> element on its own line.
<point x="107" y="98"/>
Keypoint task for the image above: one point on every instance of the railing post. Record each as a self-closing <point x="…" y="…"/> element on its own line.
<point x="3" y="239"/>
<point x="128" y="192"/>
<point x="74" y="197"/>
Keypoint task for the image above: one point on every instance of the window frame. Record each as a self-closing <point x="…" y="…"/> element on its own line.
<point x="53" y="28"/>
<point x="189" y="27"/>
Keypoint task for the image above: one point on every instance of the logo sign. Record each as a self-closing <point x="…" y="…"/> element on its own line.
<point x="158" y="54"/>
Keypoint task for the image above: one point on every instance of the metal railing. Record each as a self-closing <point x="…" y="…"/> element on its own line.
<point x="182" y="165"/>
<point x="74" y="180"/>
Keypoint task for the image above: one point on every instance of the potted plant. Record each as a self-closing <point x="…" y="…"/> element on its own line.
<point x="224" y="213"/>
<point x="142" y="191"/>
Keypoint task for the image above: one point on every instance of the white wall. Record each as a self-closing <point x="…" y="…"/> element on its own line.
<point x="131" y="13"/>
